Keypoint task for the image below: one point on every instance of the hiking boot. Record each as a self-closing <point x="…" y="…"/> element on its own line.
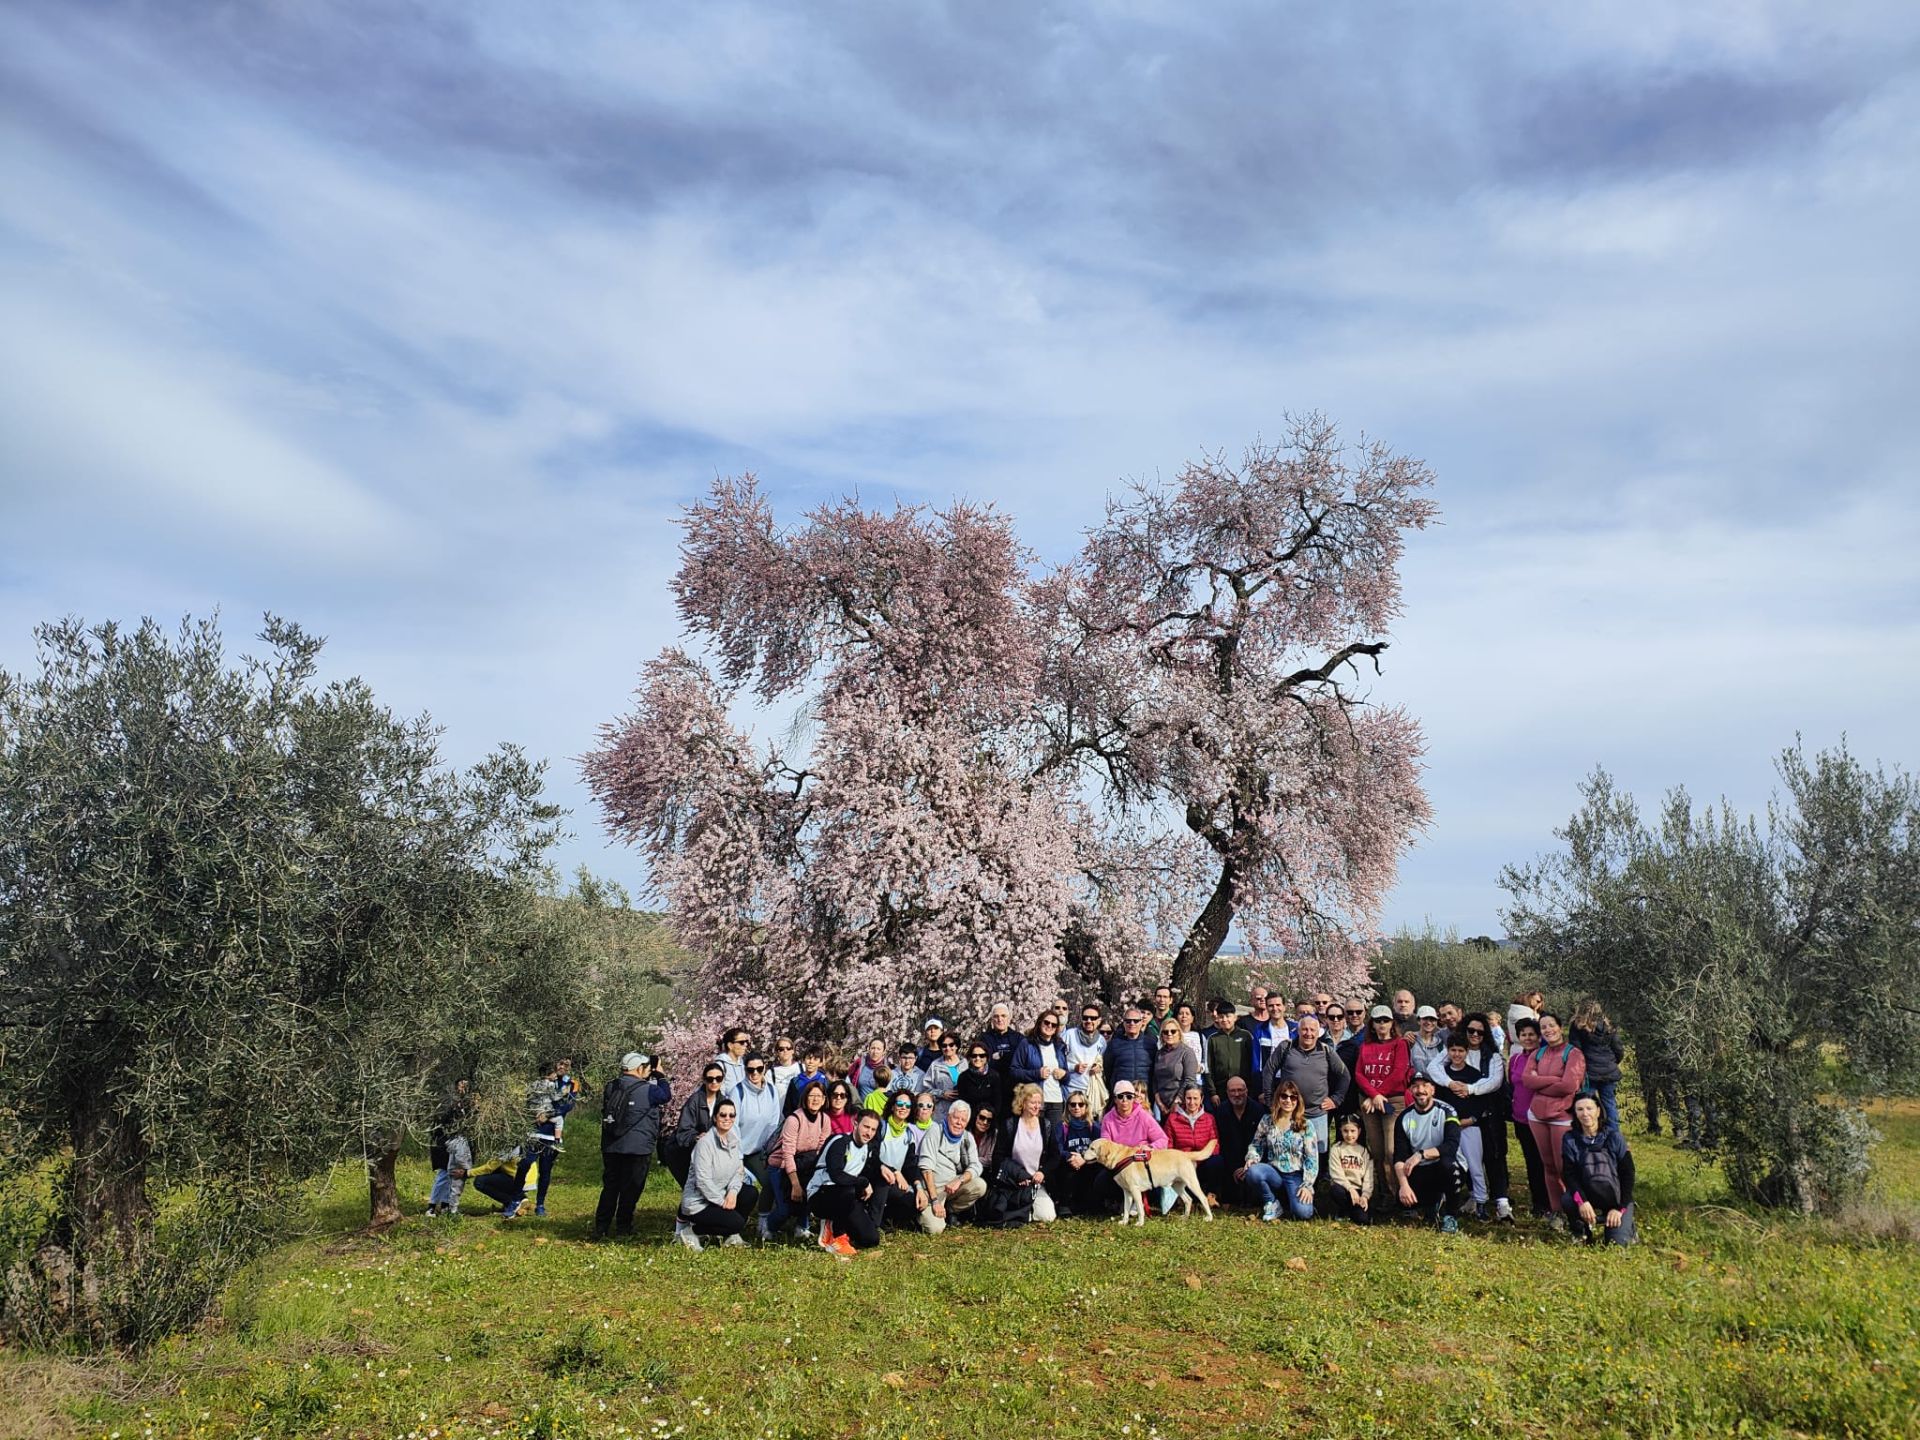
<point x="683" y="1232"/>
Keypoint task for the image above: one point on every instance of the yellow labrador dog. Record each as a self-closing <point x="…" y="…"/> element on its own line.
<point x="1161" y="1167"/>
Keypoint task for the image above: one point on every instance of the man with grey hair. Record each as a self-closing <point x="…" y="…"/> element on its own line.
<point x="949" y="1169"/>
<point x="629" y="1127"/>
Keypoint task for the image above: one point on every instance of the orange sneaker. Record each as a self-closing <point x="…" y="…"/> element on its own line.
<point x="844" y="1246"/>
<point x="826" y="1237"/>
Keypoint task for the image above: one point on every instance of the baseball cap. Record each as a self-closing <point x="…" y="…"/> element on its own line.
<point x="933" y="1022"/>
<point x="1426" y="1012"/>
<point x="1125" y="1087"/>
<point x="1380" y="1012"/>
<point x="633" y="1060"/>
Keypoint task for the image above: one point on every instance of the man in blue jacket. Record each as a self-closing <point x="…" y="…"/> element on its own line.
<point x="1130" y="1053"/>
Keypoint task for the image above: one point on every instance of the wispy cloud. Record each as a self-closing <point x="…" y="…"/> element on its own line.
<point x="419" y="323"/>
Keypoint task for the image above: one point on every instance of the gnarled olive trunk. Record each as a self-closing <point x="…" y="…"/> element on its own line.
<point x="383" y="1190"/>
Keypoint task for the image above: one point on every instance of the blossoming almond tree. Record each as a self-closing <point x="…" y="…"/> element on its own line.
<point x="1020" y="780"/>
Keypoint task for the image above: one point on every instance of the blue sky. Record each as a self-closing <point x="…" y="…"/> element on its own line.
<point x="418" y="324"/>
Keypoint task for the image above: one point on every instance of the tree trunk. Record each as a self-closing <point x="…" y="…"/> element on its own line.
<point x="383" y="1190"/>
<point x="108" y="1182"/>
<point x="107" y="1211"/>
<point x="1193" y="964"/>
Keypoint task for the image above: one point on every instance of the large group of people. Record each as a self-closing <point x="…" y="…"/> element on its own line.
<point x="1347" y="1110"/>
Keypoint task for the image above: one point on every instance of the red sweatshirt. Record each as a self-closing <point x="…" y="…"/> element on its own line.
<point x="1385" y="1067"/>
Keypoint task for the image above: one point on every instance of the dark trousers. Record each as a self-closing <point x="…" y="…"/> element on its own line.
<point x="499" y="1186"/>
<point x="1536" y="1172"/>
<point x="542" y="1156"/>
<point x="1216" y="1177"/>
<point x="901" y="1212"/>
<point x="1437" y="1186"/>
<point x="715" y="1220"/>
<point x="763" y="1178"/>
<point x="622" y="1179"/>
<point x="1493" y="1155"/>
<point x="1339" y="1204"/>
<point x="857" y="1219"/>
<point x="679" y="1160"/>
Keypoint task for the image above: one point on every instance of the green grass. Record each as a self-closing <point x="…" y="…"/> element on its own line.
<point x="1721" y="1322"/>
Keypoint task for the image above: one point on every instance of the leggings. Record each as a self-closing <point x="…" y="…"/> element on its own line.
<point x="1378" y="1128"/>
<point x="718" y="1220"/>
<point x="1547" y="1136"/>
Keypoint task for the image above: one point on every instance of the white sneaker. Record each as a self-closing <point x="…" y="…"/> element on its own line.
<point x="735" y="1240"/>
<point x="1270" y="1211"/>
<point x="683" y="1232"/>
<point x="1503" y="1209"/>
<point x="766" y="1230"/>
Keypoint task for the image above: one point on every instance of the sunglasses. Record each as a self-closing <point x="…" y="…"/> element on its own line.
<point x="1049" y="1024"/>
<point x="713" y="1079"/>
<point x="949" y="1044"/>
<point x="1076" y="1105"/>
<point x="756" y="1069"/>
<point x="783" y="1049"/>
<point x="976" y="1055"/>
<point x="1476" y="1029"/>
<point x="1170" y="1034"/>
<point x="903" y="1105"/>
<point x="1336" y="1014"/>
<point x="1093" y="1019"/>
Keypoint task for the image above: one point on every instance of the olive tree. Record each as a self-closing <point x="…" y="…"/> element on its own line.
<point x="1772" y="963"/>
<point x="247" y="922"/>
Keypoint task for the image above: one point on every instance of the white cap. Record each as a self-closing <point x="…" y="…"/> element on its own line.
<point x="936" y="1020"/>
<point x="633" y="1060"/>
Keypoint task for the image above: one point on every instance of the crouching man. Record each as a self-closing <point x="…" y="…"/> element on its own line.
<point x="950" y="1170"/>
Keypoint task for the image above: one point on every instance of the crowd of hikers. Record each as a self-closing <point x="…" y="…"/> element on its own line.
<point x="1358" y="1112"/>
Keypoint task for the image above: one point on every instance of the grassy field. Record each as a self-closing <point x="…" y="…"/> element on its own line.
<point x="1721" y="1322"/>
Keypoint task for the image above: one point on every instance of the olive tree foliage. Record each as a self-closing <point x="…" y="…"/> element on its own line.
<point x="1773" y="966"/>
<point x="249" y="923"/>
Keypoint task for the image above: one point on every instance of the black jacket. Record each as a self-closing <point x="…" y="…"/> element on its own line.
<point x="630" y="1114"/>
<point x="696" y="1118"/>
<point x="981" y="1087"/>
<point x="1009" y="1171"/>
<point x="1603" y="1051"/>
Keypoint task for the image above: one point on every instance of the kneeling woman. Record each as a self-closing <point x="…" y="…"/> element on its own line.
<point x="719" y="1199"/>
<point x="1597" y="1169"/>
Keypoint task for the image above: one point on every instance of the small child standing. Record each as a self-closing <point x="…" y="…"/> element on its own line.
<point x="1350" y="1169"/>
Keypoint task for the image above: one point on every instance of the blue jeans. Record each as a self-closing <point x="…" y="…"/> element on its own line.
<point x="1608" y="1105"/>
<point x="784" y="1205"/>
<point x="1270" y="1185"/>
